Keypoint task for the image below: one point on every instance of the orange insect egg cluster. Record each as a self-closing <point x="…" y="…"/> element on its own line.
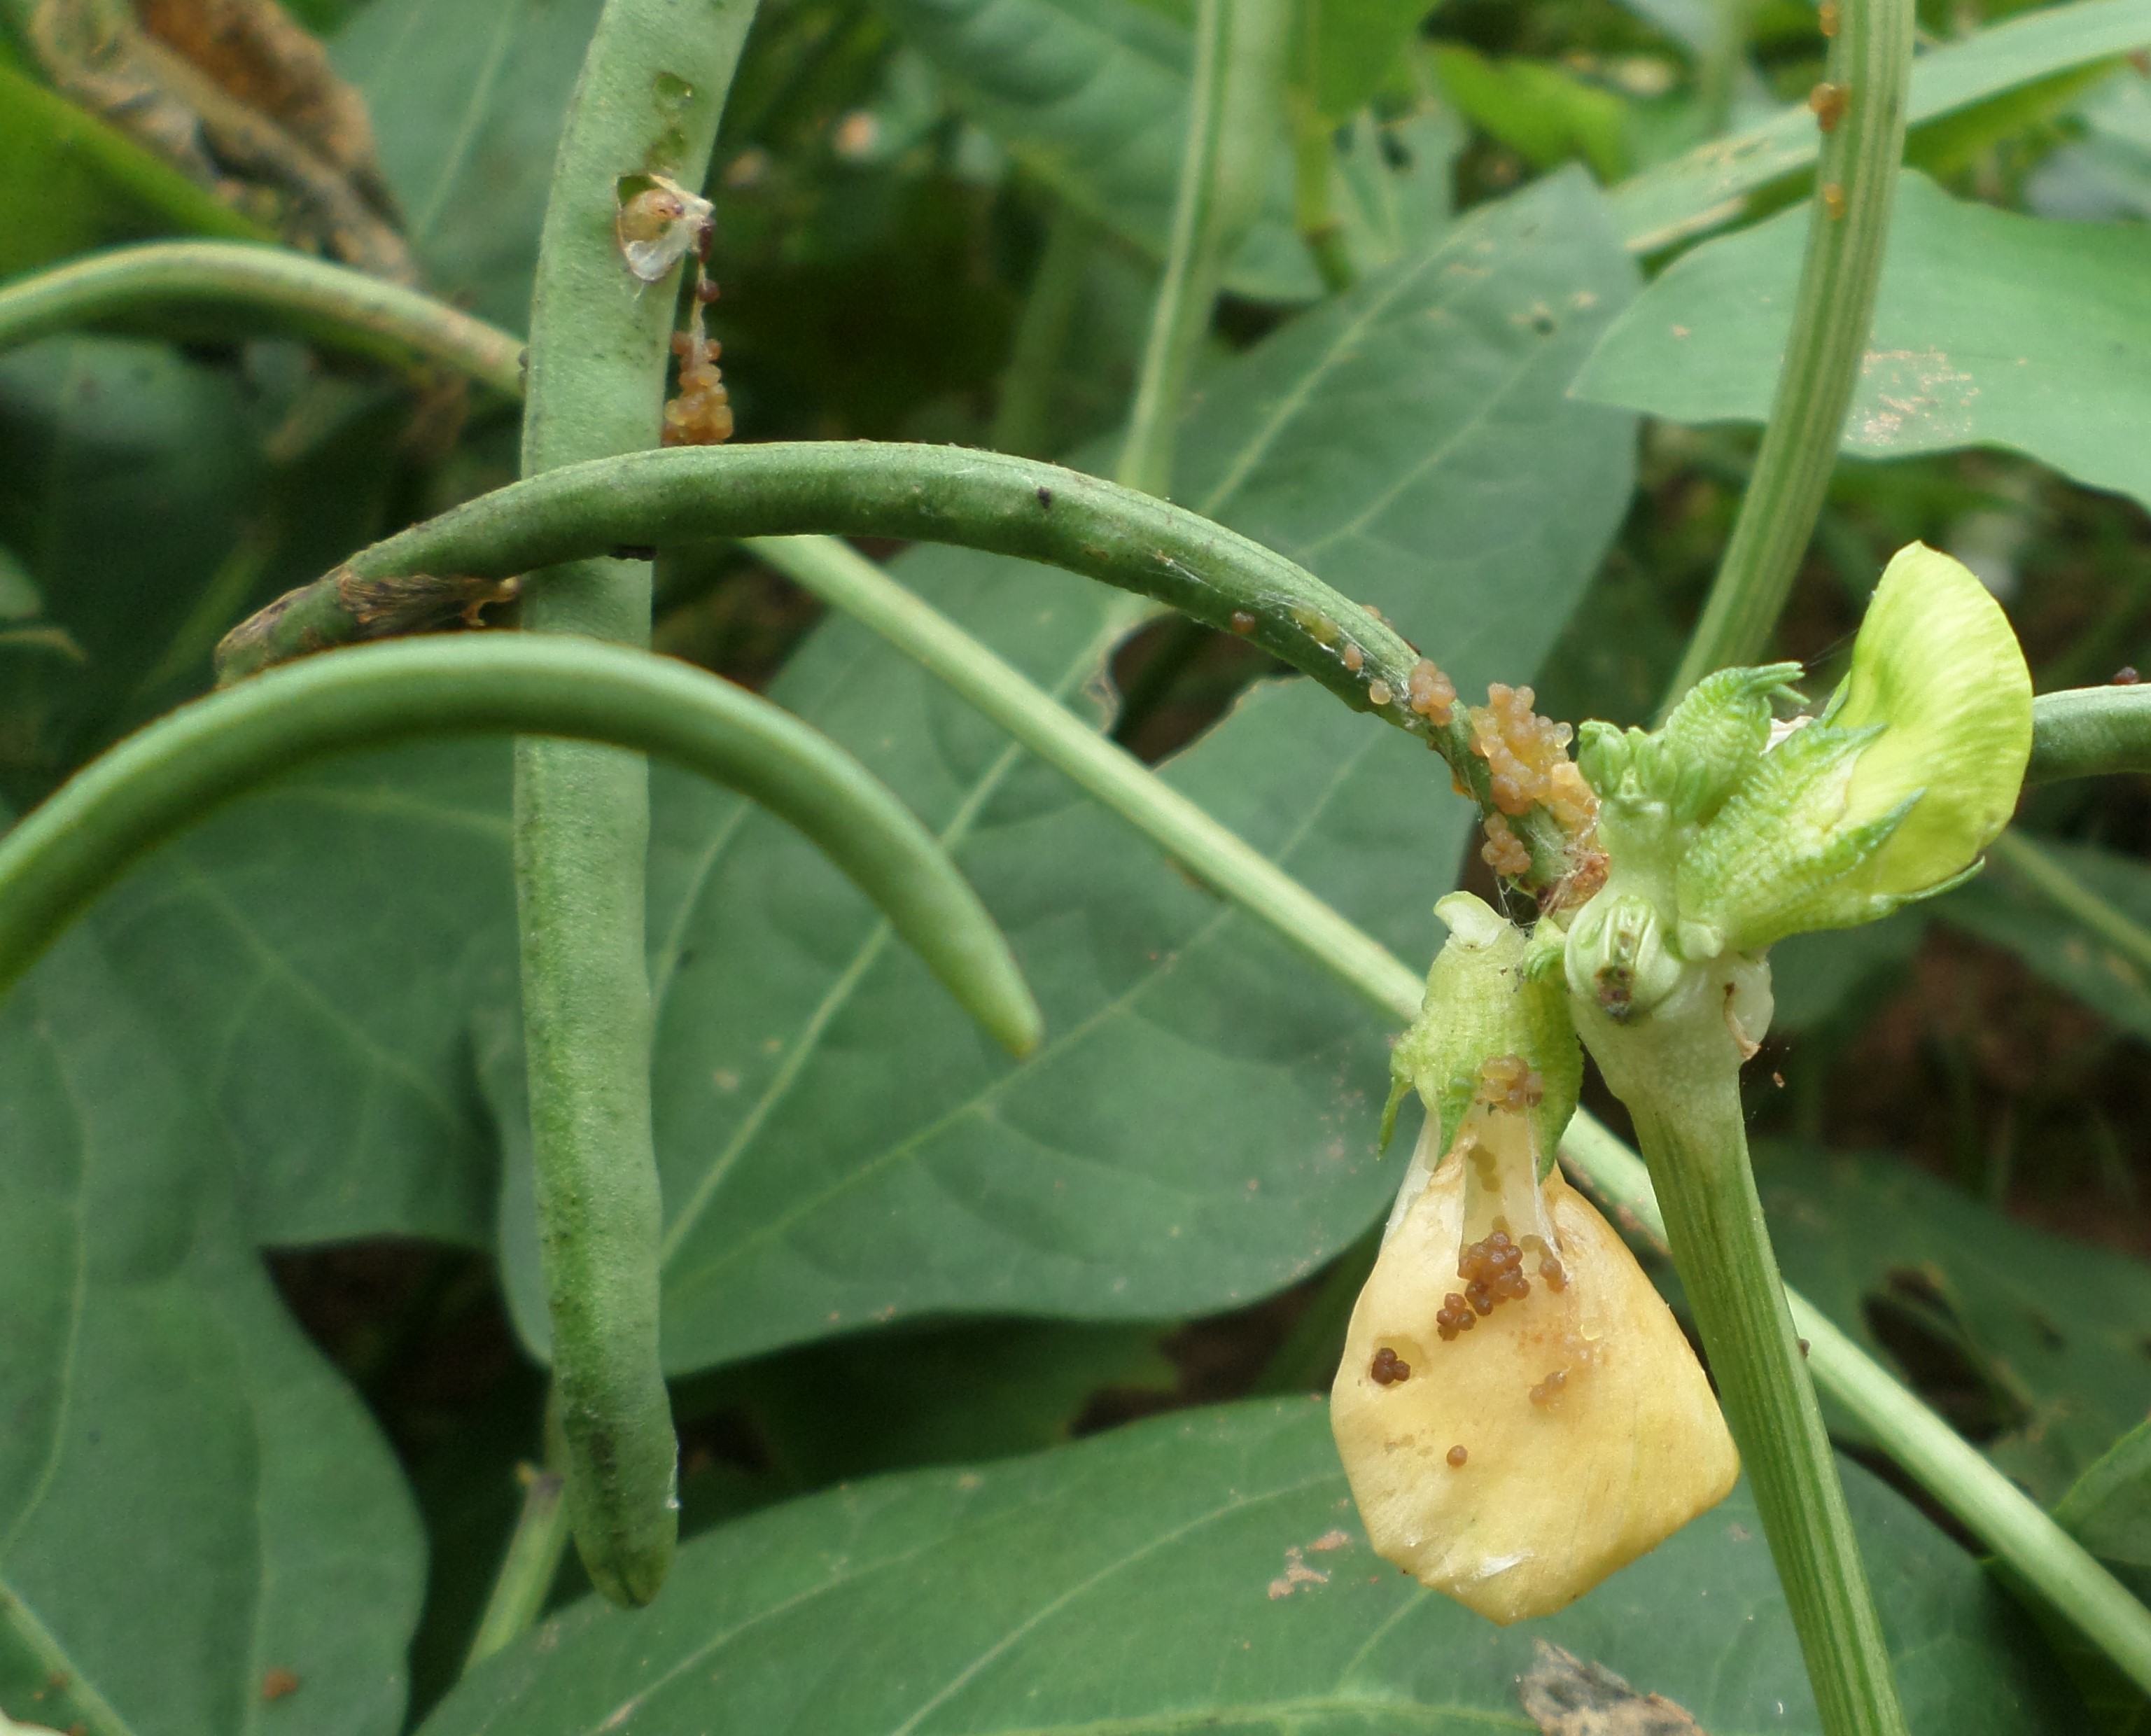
<point x="1503" y="852"/>
<point x="1550" y="1388"/>
<point x="1510" y="1082"/>
<point x="1827" y="102"/>
<point x="1827" y="17"/>
<point x="1389" y="1368"/>
<point x="1526" y="757"/>
<point x="1430" y="693"/>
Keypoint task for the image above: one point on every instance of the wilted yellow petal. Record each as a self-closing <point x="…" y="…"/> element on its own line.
<point x="1588" y="1433"/>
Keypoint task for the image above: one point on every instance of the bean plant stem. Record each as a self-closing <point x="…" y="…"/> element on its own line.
<point x="1022" y="420"/>
<point x="977" y="499"/>
<point x="331" y="303"/>
<point x="57" y="859"/>
<point x="1848" y="232"/>
<point x="2028" y="861"/>
<point x="2090" y="732"/>
<point x="1678" y="1072"/>
<point x="647" y="102"/>
<point x="528" y="1569"/>
<point x="1233" y="98"/>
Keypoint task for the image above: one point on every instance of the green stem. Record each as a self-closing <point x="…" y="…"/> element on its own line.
<point x="647" y="102"/>
<point x="528" y="1569"/>
<point x="1678" y="1072"/>
<point x="1848" y="232"/>
<point x="1718" y="80"/>
<point x="1239" y="57"/>
<point x="935" y="493"/>
<point x="123" y="805"/>
<point x="1213" y="852"/>
<point x="332" y="304"/>
<point x="2089" y="732"/>
<point x="1312" y="214"/>
<point x="1022" y="419"/>
<point x="2046" y="875"/>
<point x="1933" y="1454"/>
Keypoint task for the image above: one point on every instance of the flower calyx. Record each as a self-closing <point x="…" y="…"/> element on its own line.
<point x="1727" y="831"/>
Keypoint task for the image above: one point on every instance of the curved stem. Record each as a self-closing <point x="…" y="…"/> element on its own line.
<point x="528" y="1569"/>
<point x="2031" y="863"/>
<point x="935" y="494"/>
<point x="647" y="102"/>
<point x="1848" y="232"/>
<point x="1213" y="852"/>
<point x="1678" y="1072"/>
<point x="159" y="782"/>
<point x="1239" y="62"/>
<point x="2089" y="732"/>
<point x="1988" y="1504"/>
<point x="332" y="304"/>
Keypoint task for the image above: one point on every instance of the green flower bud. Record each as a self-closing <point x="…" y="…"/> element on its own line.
<point x="1486" y="997"/>
<point x="1891" y="795"/>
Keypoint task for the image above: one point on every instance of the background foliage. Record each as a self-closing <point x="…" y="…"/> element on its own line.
<point x="888" y="1247"/>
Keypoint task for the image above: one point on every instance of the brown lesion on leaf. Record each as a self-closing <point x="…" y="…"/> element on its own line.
<point x="239" y="97"/>
<point x="1565" y="1695"/>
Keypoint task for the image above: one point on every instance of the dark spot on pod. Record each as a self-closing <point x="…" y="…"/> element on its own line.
<point x="1387" y="1368"/>
<point x="1243" y="622"/>
<point x="635" y="551"/>
<point x="1804" y="1347"/>
<point x="1542" y="322"/>
<point x="2125" y="676"/>
<point x="1457" y="1456"/>
<point x="1045" y="497"/>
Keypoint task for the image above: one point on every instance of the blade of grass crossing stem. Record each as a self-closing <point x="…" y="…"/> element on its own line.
<point x="651" y="89"/>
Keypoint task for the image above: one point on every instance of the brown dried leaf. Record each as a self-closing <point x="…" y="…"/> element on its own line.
<point x="237" y="95"/>
<point x="1567" y="1697"/>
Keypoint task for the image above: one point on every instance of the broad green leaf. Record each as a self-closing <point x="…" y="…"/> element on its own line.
<point x="1092" y="96"/>
<point x="189" y="1498"/>
<point x="1991" y="329"/>
<point x="467" y="100"/>
<point x="126" y="476"/>
<point x="2053" y="1330"/>
<point x="939" y="1394"/>
<point x="1544" y="115"/>
<point x="1206" y="1571"/>
<point x="2108" y="1508"/>
<point x="314" y="954"/>
<point x="1352" y="50"/>
<point x="839" y="1146"/>
<point x="1709" y="186"/>
<point x="2001" y="906"/>
<point x="72" y="183"/>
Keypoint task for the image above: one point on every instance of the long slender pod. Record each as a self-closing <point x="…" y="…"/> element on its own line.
<point x="165" y="778"/>
<point x="647" y="103"/>
<point x="332" y="303"/>
<point x="2088" y="732"/>
<point x="934" y="493"/>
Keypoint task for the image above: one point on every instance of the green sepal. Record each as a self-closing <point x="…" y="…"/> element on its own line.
<point x="1485" y="999"/>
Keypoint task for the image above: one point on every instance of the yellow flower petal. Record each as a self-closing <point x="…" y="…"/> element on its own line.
<point x="1588" y="1433"/>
